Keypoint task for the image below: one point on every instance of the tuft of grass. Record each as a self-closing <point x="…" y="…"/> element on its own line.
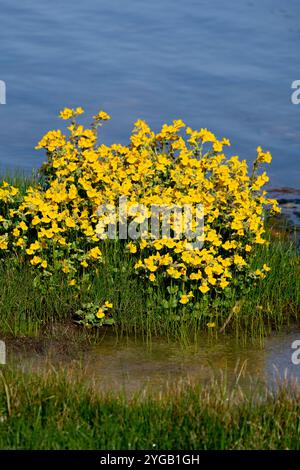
<point x="59" y="412"/>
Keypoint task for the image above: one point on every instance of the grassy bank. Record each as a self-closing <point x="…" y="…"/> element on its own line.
<point x="56" y="413"/>
<point x="274" y="302"/>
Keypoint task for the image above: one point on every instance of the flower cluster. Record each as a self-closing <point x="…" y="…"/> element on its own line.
<point x="9" y="196"/>
<point x="56" y="227"/>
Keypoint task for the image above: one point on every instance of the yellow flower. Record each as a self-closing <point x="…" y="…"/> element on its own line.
<point x="33" y="247"/>
<point x="143" y="244"/>
<point x="263" y="157"/>
<point x="20" y="242"/>
<point x="72" y="282"/>
<point x="108" y="304"/>
<point x="66" y="113"/>
<point x="16" y="232"/>
<point x="211" y="325"/>
<point x="218" y="146"/>
<point x="70" y="222"/>
<point x="204" y="288"/>
<point x="36" y="220"/>
<point x="266" y="268"/>
<point x="196" y="276"/>
<point x="95" y="253"/>
<point x="132" y="248"/>
<point x="66" y="269"/>
<point x="102" y="116"/>
<point x="79" y="110"/>
<point x="239" y="260"/>
<point x="82" y="175"/>
<point x="212" y="280"/>
<point x="184" y="299"/>
<point x="100" y="313"/>
<point x="223" y="283"/>
<point x="259" y="273"/>
<point x="23" y="226"/>
<point x="174" y="273"/>
<point x="3" y="244"/>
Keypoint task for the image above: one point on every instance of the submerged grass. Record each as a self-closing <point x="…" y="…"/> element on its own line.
<point x="55" y="412"/>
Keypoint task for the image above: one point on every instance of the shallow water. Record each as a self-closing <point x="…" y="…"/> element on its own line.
<point x="131" y="365"/>
<point x="227" y="66"/>
<point x="289" y="201"/>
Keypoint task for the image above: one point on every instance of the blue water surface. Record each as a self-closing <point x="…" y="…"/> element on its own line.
<point x="227" y="66"/>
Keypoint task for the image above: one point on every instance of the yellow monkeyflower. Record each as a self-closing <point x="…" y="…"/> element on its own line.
<point x="184" y="299"/>
<point x="16" y="232"/>
<point x="223" y="283"/>
<point x="263" y="157"/>
<point x="20" y="242"/>
<point x="239" y="260"/>
<point x="132" y="248"/>
<point x="36" y="220"/>
<point x="33" y="247"/>
<point x="36" y="260"/>
<point x="66" y="269"/>
<point x="70" y="222"/>
<point x="82" y="175"/>
<point x="100" y="313"/>
<point x="175" y="273"/>
<point x="3" y="244"/>
<point x="259" y="273"/>
<point x="66" y="113"/>
<point x="95" y="253"/>
<point x="23" y="226"/>
<point x="102" y="116"/>
<point x="79" y="110"/>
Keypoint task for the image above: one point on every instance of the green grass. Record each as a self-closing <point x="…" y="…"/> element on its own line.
<point x="269" y="305"/>
<point x="54" y="412"/>
<point x="20" y="180"/>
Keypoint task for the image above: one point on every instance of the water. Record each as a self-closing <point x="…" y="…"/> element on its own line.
<point x="131" y="365"/>
<point x="227" y="66"/>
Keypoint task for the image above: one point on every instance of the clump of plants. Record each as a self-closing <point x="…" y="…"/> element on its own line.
<point x="55" y="227"/>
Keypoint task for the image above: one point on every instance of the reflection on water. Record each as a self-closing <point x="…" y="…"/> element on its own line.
<point x="227" y="66"/>
<point x="131" y="365"/>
